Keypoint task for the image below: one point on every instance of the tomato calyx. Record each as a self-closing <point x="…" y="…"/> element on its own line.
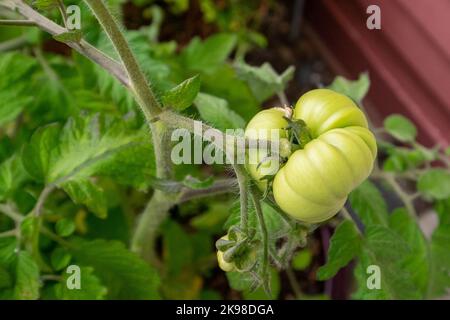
<point x="300" y="133"/>
<point x="238" y="249"/>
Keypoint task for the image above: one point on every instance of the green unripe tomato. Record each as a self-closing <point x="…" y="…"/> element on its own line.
<point x="316" y="180"/>
<point x="260" y="127"/>
<point x="285" y="148"/>
<point x="224" y="265"/>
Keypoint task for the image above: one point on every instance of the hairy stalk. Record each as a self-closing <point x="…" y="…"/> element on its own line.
<point x="242" y="179"/>
<point x="219" y="187"/>
<point x="141" y="88"/>
<point x="178" y="121"/>
<point x="153" y="216"/>
<point x="265" y="237"/>
<point x="158" y="207"/>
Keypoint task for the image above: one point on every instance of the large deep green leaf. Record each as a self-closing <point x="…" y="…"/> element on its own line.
<point x="124" y="274"/>
<point x="15" y="69"/>
<point x="12" y="176"/>
<point x="385" y="249"/>
<point x="209" y="54"/>
<point x="91" y="287"/>
<point x="84" y="147"/>
<point x="215" y="111"/>
<point x="182" y="96"/>
<point x="264" y="81"/>
<point x="400" y="127"/>
<point x="369" y="204"/>
<point x="416" y="263"/>
<point x="345" y="244"/>
<point x="355" y="89"/>
<point x="224" y="82"/>
<point x="27" y="282"/>
<point x="435" y="183"/>
<point x="87" y="193"/>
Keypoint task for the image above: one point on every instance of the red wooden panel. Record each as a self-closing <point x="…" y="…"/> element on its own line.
<point x="408" y="59"/>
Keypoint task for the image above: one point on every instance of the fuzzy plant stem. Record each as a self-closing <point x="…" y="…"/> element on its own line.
<point x="158" y="207"/>
<point x="265" y="237"/>
<point x="139" y="84"/>
<point x="242" y="179"/>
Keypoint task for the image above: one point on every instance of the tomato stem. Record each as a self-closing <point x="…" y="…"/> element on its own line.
<point x="265" y="238"/>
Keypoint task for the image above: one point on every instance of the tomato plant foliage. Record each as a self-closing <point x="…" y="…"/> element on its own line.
<point x="79" y="164"/>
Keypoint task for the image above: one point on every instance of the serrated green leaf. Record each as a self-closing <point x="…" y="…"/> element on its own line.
<point x="215" y="111"/>
<point x="69" y="36"/>
<point x="14" y="91"/>
<point x="209" y="54"/>
<point x="369" y="204"/>
<point x="182" y="96"/>
<point x="400" y="127"/>
<point x="91" y="287"/>
<point x="87" y="146"/>
<point x="27" y="282"/>
<point x="447" y="151"/>
<point x="387" y="250"/>
<point x="355" y="89"/>
<point x="417" y="263"/>
<point x="85" y="192"/>
<point x="12" y="105"/>
<point x="224" y="82"/>
<point x="345" y="244"/>
<point x="7" y="250"/>
<point x="12" y="176"/>
<point x="36" y="155"/>
<point x="124" y="274"/>
<point x="264" y="81"/>
<point x="435" y="183"/>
